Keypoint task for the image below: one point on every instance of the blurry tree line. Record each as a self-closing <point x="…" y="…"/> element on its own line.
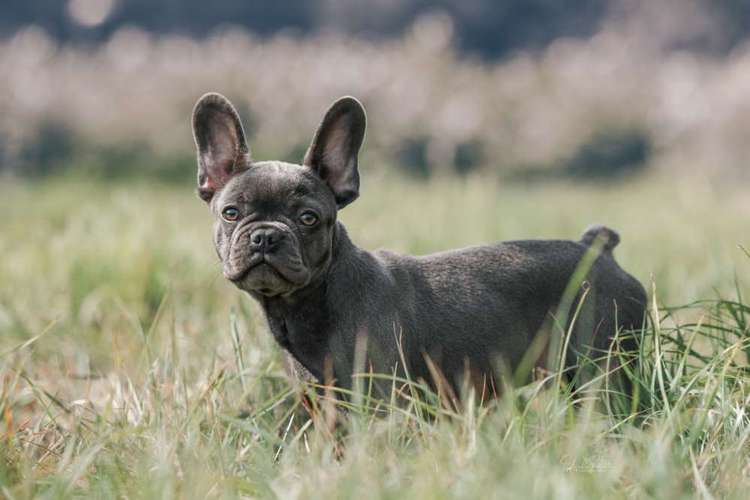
<point x="579" y="89"/>
<point x="490" y="28"/>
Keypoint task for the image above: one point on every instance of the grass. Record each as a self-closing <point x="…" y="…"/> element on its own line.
<point x="126" y="361"/>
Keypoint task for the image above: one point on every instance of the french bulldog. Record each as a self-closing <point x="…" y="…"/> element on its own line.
<point x="449" y="317"/>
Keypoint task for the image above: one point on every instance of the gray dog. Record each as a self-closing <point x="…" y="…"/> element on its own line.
<point x="451" y="317"/>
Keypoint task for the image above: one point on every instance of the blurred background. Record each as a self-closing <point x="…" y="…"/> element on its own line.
<point x="517" y="89"/>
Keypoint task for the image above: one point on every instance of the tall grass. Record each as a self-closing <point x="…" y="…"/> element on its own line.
<point x="129" y="368"/>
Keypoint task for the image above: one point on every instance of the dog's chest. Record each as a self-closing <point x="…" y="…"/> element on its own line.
<point x="304" y="336"/>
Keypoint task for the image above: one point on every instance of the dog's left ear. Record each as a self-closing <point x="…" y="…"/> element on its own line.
<point x="335" y="146"/>
<point x="220" y="139"/>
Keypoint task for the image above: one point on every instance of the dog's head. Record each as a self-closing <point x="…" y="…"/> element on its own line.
<point x="275" y="221"/>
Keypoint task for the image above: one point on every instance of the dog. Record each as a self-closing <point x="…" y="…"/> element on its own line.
<point x="450" y="318"/>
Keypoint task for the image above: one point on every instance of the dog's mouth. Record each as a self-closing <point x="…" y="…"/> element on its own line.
<point x="268" y="275"/>
<point x="240" y="273"/>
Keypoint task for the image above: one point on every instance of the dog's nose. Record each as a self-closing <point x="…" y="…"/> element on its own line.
<point x="265" y="239"/>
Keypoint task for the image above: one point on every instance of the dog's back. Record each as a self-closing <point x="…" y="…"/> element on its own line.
<point x="476" y="308"/>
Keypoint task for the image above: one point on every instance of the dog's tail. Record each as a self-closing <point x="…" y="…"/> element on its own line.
<point x="601" y="235"/>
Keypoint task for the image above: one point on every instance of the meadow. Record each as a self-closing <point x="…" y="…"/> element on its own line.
<point x="131" y="369"/>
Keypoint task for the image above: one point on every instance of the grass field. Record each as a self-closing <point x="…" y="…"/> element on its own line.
<point x="126" y="359"/>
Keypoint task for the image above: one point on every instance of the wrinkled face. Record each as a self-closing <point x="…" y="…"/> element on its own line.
<point x="275" y="221"/>
<point x="274" y="228"/>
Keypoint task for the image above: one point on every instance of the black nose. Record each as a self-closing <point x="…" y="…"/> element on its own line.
<point x="265" y="239"/>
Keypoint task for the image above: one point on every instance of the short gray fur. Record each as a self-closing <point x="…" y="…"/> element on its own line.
<point x="468" y="310"/>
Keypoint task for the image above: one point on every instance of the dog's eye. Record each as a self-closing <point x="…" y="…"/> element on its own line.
<point x="308" y="218"/>
<point x="230" y="214"/>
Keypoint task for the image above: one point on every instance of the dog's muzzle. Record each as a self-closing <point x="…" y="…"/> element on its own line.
<point x="265" y="257"/>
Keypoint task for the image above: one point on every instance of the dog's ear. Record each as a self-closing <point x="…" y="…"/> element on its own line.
<point x="220" y="139"/>
<point x="333" y="152"/>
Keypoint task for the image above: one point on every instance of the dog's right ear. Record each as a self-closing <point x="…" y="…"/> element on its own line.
<point x="220" y="139"/>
